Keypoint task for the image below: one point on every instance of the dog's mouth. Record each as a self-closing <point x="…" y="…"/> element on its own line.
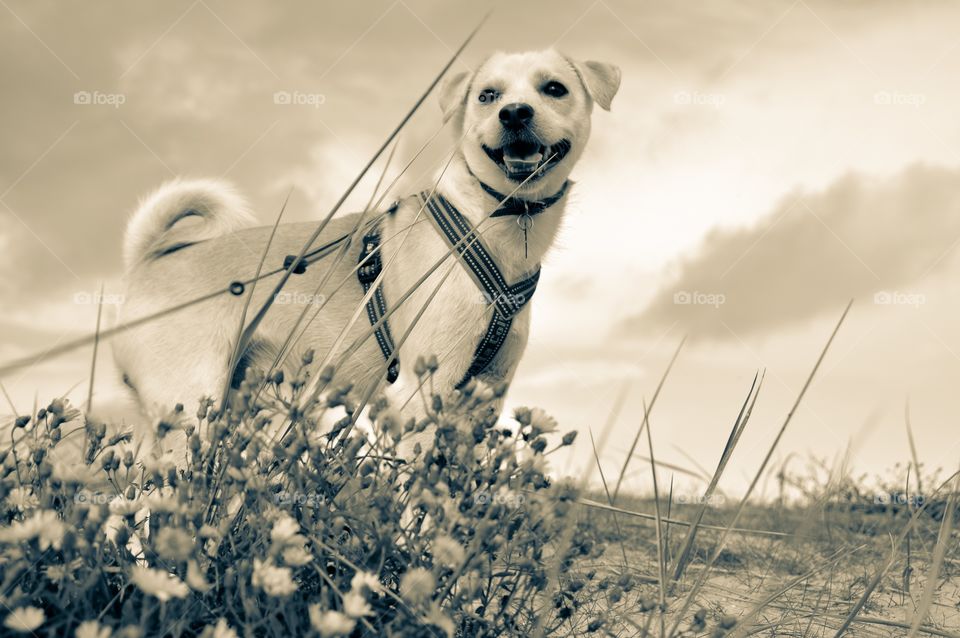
<point x="521" y="159"/>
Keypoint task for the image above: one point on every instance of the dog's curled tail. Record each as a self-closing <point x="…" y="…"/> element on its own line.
<point x="180" y="213"/>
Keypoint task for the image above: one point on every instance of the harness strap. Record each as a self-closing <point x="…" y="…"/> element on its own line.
<point x="507" y="300"/>
<point x="371" y="265"/>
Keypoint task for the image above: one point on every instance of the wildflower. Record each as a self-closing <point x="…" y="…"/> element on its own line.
<point x="296" y="555"/>
<point x="330" y="623"/>
<point x="355" y="604"/>
<point x="220" y="630"/>
<point x="275" y="581"/>
<point x="22" y="498"/>
<point x="24" y="619"/>
<point x="158" y="583"/>
<point x="447" y="551"/>
<point x="163" y="499"/>
<point x="391" y="422"/>
<point x="365" y="579"/>
<point x="91" y="629"/>
<point x="123" y="506"/>
<point x="542" y="422"/>
<point x="284" y="529"/>
<point x="44" y="525"/>
<point x="417" y="586"/>
<point x="173" y="544"/>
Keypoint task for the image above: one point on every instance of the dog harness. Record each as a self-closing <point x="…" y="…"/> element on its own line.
<point x="507" y="300"/>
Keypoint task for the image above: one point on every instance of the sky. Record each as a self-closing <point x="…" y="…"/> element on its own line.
<point x="763" y="164"/>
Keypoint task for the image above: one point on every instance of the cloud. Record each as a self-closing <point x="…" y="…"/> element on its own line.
<point x="859" y="238"/>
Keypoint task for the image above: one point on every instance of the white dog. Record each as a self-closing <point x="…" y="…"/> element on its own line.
<point x="524" y="119"/>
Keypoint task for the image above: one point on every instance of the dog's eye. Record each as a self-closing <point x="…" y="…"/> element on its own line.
<point x="488" y="96"/>
<point x="554" y="89"/>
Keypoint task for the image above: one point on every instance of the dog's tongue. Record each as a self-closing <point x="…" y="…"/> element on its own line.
<point x="522" y="164"/>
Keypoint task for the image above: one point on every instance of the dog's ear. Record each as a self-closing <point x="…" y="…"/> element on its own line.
<point x="453" y="93"/>
<point x="600" y="79"/>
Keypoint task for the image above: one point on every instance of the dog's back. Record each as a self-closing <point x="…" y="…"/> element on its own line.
<point x="176" y="253"/>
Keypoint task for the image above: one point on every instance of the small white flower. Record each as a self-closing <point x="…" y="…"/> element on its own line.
<point x="22" y="498"/>
<point x="447" y="551"/>
<point x="284" y="528"/>
<point x="275" y="581"/>
<point x="296" y="555"/>
<point x="91" y="629"/>
<point x="330" y="623"/>
<point x="158" y="583"/>
<point x="542" y="421"/>
<point x="123" y="506"/>
<point x="365" y="579"/>
<point x="223" y="630"/>
<point x="44" y="525"/>
<point x="24" y="619"/>
<point x="355" y="604"/>
<point x="417" y="585"/>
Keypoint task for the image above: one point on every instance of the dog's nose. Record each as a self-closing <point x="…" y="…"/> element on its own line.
<point x="516" y="115"/>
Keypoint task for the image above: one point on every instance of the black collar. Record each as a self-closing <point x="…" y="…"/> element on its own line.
<point x="518" y="206"/>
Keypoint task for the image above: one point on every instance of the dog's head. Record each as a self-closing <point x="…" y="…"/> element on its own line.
<point x="526" y="115"/>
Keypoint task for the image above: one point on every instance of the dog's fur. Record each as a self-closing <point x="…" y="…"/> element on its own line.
<point x="193" y="237"/>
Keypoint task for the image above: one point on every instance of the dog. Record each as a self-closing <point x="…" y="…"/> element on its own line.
<point x="523" y="120"/>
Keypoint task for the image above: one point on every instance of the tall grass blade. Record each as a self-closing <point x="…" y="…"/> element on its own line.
<point x="661" y="560"/>
<point x="653" y="401"/>
<point x="606" y="489"/>
<point x="96" y="346"/>
<point x="738" y="426"/>
<point x="913" y="447"/>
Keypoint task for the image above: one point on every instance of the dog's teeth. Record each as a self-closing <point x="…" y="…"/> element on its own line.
<point x="523" y="163"/>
